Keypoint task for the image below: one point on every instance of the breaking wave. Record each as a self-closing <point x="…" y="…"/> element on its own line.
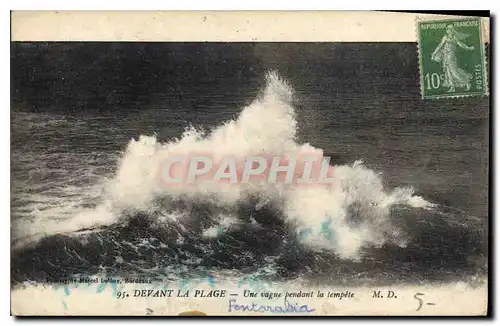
<point x="351" y="213"/>
<point x="142" y="224"/>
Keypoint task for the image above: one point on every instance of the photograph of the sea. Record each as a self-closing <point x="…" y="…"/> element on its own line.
<point x="91" y="123"/>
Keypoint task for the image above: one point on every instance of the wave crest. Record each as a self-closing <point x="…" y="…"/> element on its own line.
<point x="344" y="217"/>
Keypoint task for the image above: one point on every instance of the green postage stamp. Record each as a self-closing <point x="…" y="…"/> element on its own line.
<point x="452" y="61"/>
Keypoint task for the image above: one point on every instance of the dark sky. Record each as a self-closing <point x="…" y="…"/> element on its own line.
<point x="105" y="75"/>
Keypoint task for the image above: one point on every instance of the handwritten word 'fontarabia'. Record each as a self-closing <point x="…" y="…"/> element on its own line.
<point x="254" y="307"/>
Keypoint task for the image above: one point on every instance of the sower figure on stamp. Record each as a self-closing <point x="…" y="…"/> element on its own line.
<point x="446" y="53"/>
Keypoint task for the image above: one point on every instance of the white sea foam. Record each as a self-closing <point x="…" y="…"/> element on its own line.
<point x="268" y="125"/>
<point x="321" y="214"/>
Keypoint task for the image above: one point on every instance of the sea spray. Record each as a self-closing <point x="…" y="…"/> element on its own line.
<point x="268" y="126"/>
<point x="356" y="204"/>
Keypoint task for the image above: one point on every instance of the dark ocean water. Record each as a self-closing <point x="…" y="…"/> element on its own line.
<point x="76" y="106"/>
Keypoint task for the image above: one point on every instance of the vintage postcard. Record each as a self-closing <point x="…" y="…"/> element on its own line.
<point x="249" y="164"/>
